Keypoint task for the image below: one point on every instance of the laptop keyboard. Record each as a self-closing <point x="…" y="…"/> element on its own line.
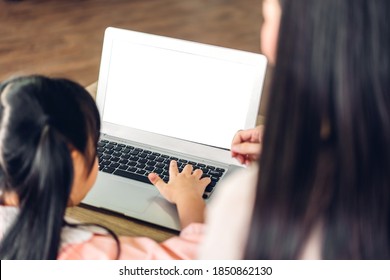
<point x="136" y="163"/>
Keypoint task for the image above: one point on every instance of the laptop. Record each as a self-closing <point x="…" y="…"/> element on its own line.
<point x="160" y="99"/>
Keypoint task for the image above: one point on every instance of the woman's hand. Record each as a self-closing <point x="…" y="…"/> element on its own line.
<point x="185" y="189"/>
<point x="246" y="144"/>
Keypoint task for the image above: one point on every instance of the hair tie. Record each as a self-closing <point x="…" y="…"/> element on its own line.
<point x="44" y="120"/>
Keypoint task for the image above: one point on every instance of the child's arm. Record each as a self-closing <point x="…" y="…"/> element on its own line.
<point x="185" y="189"/>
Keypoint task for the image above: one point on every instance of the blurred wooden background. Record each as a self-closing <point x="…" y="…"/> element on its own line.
<point x="64" y="37"/>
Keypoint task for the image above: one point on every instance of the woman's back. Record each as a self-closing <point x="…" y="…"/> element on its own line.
<point x="326" y="146"/>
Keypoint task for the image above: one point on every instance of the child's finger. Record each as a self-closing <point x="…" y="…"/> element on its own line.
<point x="156" y="180"/>
<point x="173" y="170"/>
<point x="187" y="169"/>
<point x="197" y="173"/>
<point x="205" y="181"/>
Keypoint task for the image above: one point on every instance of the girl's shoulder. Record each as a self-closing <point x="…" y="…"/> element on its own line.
<point x="7" y="216"/>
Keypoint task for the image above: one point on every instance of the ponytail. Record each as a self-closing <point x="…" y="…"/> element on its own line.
<point x="43" y="198"/>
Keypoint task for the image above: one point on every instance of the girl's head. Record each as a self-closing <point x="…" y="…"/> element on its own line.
<point x="49" y="130"/>
<point x="326" y="146"/>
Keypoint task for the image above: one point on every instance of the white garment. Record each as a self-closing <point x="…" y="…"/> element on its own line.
<point x="69" y="235"/>
<point x="229" y="216"/>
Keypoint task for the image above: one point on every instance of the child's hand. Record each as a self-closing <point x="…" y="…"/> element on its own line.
<point x="185" y="189"/>
<point x="181" y="186"/>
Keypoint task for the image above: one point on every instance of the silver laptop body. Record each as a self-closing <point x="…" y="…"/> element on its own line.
<point x="176" y="98"/>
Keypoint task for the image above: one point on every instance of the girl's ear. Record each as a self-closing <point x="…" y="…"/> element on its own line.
<point x="79" y="170"/>
<point x="78" y="163"/>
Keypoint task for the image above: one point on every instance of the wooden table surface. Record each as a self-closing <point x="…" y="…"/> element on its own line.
<point x="121" y="225"/>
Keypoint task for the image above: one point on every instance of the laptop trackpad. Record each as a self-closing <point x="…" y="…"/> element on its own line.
<point x="120" y="195"/>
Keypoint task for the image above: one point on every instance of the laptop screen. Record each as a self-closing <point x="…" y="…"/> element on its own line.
<point x="186" y="95"/>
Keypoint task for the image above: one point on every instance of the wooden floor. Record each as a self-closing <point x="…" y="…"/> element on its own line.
<point x="64" y="37"/>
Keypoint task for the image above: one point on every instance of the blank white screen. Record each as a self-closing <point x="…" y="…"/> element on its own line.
<point x="182" y="95"/>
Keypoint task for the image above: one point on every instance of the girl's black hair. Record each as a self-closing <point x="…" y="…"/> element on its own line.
<point x="41" y="119"/>
<point x="326" y="148"/>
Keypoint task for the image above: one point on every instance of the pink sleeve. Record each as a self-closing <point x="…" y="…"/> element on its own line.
<point x="184" y="246"/>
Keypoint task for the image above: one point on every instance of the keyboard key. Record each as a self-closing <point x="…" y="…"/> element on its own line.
<point x="108" y="169"/>
<point x="115" y="159"/>
<point x="141" y="172"/>
<point x="100" y="149"/>
<point x="114" y="165"/>
<point x="215" y="173"/>
<point x="205" y="170"/>
<point x="152" y="157"/>
<point x="158" y="170"/>
<point x="123" y="166"/>
<point x="160" y="165"/>
<point x="165" y="178"/>
<point x="214" y="179"/>
<point x="131" y="175"/>
<point x="132" y="169"/>
<point x="149" y="168"/>
<point x="134" y="158"/>
<point x="116" y="154"/>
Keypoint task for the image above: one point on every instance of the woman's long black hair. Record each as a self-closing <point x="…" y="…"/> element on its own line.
<point x="41" y="119"/>
<point x="326" y="149"/>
